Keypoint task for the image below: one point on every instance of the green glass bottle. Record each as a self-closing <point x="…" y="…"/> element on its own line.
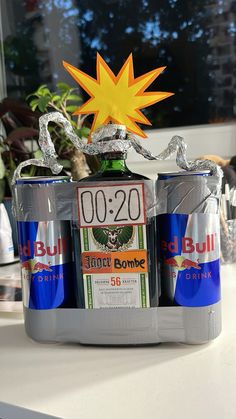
<point x="113" y="166"/>
<point x="125" y="249"/>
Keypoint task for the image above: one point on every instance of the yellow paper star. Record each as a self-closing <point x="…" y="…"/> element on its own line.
<point x="118" y="98"/>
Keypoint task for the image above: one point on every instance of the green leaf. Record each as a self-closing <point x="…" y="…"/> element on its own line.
<point x="43" y="102"/>
<point x="63" y="86"/>
<point x="55" y="97"/>
<point x="71" y="108"/>
<point x="41" y="87"/>
<point x="32" y="94"/>
<point x="38" y="154"/>
<point x="51" y="128"/>
<point x="34" y="107"/>
<point x="2" y="168"/>
<point x="34" y="104"/>
<point x="41" y="91"/>
<point x="74" y="98"/>
<point x="84" y="132"/>
<point x="32" y="170"/>
<point x="45" y="92"/>
<point x="62" y="98"/>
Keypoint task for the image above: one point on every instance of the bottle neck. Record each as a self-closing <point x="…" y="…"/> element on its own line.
<point x="115" y="161"/>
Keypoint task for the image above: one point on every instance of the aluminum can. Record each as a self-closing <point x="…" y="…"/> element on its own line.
<point x="188" y="234"/>
<point x="45" y="250"/>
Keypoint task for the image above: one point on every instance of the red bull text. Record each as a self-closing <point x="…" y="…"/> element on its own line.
<point x="46" y="260"/>
<point x="39" y="248"/>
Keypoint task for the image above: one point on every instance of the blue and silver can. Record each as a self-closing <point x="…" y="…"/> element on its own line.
<point x="45" y="249"/>
<point x="188" y="238"/>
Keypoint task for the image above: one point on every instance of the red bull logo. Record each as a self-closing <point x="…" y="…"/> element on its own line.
<point x="180" y="263"/>
<point x="38" y="248"/>
<point x="187" y="245"/>
<point x="33" y="266"/>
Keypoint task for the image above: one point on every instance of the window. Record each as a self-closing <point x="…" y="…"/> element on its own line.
<point x="195" y="39"/>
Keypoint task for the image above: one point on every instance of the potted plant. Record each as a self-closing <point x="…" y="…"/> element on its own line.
<point x="18" y="141"/>
<point x="65" y="100"/>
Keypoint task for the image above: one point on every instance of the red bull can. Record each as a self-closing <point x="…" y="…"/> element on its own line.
<point x="188" y="239"/>
<point x="45" y="250"/>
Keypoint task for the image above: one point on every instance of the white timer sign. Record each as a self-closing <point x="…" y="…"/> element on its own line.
<point x="113" y="204"/>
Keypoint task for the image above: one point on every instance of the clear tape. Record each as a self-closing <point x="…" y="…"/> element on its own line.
<point x="104" y="140"/>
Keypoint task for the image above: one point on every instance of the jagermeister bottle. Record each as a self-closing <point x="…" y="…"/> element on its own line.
<point x="114" y="237"/>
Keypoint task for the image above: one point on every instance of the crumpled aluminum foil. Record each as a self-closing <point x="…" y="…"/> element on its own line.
<point x="108" y="131"/>
<point x="108" y="138"/>
<point x="178" y="146"/>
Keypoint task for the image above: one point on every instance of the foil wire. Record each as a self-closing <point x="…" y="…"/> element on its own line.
<point x="178" y="146"/>
<point x="108" y="138"/>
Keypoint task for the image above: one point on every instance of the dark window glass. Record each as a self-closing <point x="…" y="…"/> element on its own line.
<point x="195" y="39"/>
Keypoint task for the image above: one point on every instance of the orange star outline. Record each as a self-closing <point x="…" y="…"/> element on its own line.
<point x="118" y="99"/>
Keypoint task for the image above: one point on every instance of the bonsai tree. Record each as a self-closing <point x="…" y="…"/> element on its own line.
<point x="65" y="100"/>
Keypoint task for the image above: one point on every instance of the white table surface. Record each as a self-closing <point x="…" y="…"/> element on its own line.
<point x="164" y="381"/>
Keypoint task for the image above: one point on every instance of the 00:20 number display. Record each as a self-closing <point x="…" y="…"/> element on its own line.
<point x="111" y="205"/>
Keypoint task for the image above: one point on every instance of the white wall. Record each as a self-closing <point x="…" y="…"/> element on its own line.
<point x="217" y="139"/>
<point x="201" y="139"/>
